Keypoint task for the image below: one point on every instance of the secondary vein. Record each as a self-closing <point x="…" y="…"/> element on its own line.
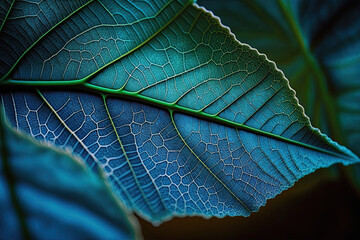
<point x="7" y="15"/>
<point x="128" y="161"/>
<point x="206" y="167"/>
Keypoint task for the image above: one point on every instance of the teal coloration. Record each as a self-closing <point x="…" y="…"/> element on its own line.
<point x="316" y="44"/>
<point x="109" y="30"/>
<point x="181" y="117"/>
<point x="53" y="196"/>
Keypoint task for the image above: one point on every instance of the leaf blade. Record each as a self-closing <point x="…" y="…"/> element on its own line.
<point x="324" y="38"/>
<point x="131" y="119"/>
<point x="59" y="204"/>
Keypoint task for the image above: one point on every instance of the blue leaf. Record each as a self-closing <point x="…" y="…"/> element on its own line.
<point x="182" y="118"/>
<point x="316" y="44"/>
<point x="47" y="194"/>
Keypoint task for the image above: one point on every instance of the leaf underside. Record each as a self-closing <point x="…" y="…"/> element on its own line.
<point x="317" y="52"/>
<point x="182" y="118"/>
<point x="42" y="194"/>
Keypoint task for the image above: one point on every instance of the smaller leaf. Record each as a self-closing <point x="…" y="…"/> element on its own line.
<point x="47" y="194"/>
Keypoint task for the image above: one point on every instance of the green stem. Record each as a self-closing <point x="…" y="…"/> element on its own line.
<point x="203" y="115"/>
<point x="7" y="15"/>
<point x="318" y="73"/>
<point x="6" y="76"/>
<point x="134" y="96"/>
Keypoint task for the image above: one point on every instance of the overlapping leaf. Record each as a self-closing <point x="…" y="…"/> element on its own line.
<point x="316" y="44"/>
<point x="183" y="119"/>
<point x="46" y="194"/>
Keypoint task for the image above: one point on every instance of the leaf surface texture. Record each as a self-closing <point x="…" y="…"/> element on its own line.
<point x="182" y="118"/>
<point x="316" y="44"/>
<point x="42" y="195"/>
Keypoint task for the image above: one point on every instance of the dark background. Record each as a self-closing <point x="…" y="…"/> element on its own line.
<point x="322" y="205"/>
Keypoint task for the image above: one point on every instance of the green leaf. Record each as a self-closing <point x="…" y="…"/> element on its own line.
<point x="181" y="117"/>
<point x="46" y="193"/>
<point x="316" y="44"/>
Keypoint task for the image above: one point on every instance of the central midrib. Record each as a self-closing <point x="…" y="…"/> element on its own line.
<point x="84" y="86"/>
<point x="203" y="115"/>
<point x="81" y="83"/>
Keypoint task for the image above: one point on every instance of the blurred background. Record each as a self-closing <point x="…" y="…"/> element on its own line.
<point x="317" y="46"/>
<point x="318" y="206"/>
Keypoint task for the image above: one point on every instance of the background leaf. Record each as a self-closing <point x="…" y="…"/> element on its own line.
<point x="47" y="194"/>
<point x="183" y="119"/>
<point x="315" y="43"/>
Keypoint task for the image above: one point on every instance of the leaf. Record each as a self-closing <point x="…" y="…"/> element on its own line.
<point x="47" y="194"/>
<point x="315" y="43"/>
<point x="181" y="117"/>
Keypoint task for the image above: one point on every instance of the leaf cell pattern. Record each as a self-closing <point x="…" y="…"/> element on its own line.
<point x="182" y="118"/>
<point x="42" y="194"/>
<point x="163" y="163"/>
<point x="88" y="37"/>
<point x="317" y="52"/>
